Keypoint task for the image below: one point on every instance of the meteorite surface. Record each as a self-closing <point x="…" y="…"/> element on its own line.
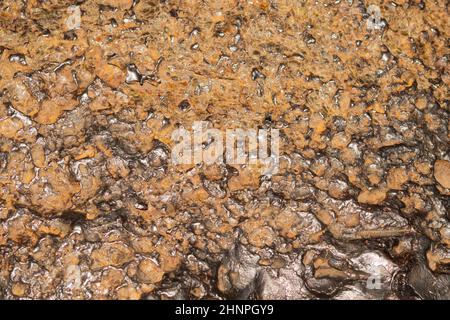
<point x="92" y="205"/>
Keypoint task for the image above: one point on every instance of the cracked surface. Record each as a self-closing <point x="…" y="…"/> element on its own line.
<point x="91" y="206"/>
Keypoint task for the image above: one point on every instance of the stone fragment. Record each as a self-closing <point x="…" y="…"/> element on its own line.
<point x="373" y="197"/>
<point x="111" y="254"/>
<point x="149" y="272"/>
<point x="442" y="173"/>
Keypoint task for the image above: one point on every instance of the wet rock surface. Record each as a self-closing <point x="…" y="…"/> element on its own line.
<point x="91" y="206"/>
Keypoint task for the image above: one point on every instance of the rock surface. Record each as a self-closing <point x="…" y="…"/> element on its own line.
<point x="92" y="207"/>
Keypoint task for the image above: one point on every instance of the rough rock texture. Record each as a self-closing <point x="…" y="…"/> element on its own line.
<point x="91" y="206"/>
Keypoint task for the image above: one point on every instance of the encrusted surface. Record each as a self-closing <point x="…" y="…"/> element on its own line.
<point x="91" y="206"/>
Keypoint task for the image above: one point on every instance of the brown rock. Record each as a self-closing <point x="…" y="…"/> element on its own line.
<point x="19" y="289"/>
<point x="121" y="4"/>
<point x="247" y="178"/>
<point x="396" y="178"/>
<point x="55" y="228"/>
<point x="129" y="292"/>
<point x="38" y="155"/>
<point x="22" y="100"/>
<point x="442" y="173"/>
<point x="62" y="186"/>
<point x="111" y="279"/>
<point x="375" y="196"/>
<point x="111" y="254"/>
<point x="88" y="152"/>
<point x="286" y="222"/>
<point x="20" y="232"/>
<point x="9" y="127"/>
<point x="223" y="282"/>
<point x="149" y="272"/>
<point x="111" y="74"/>
<point x="49" y="112"/>
<point x="340" y="140"/>
<point x="325" y="217"/>
<point x="261" y="237"/>
<point x="117" y="167"/>
<point x="143" y="245"/>
<point x="338" y="189"/>
<point x="168" y="261"/>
